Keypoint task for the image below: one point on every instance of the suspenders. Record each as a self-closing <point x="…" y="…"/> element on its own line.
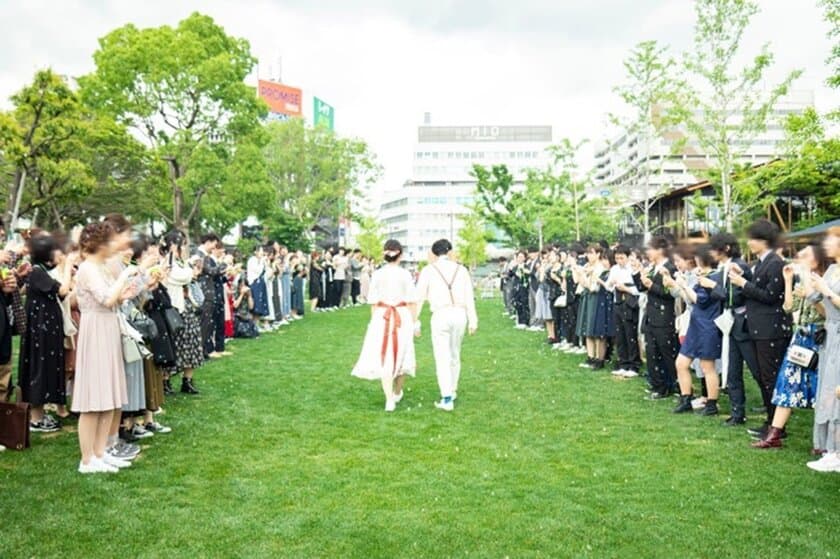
<point x="450" y="283"/>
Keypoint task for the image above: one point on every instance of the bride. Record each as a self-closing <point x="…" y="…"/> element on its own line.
<point x="388" y="350"/>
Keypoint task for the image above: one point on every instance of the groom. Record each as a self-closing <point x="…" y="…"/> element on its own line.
<point x="448" y="288"/>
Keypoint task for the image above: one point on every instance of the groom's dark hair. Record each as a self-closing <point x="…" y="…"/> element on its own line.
<point x="441" y="247"/>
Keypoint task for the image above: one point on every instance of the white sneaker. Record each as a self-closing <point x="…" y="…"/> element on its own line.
<point x="579" y="350"/>
<point x="698" y="403"/>
<point x="96" y="466"/>
<point x="565" y="345"/>
<point x="619" y="372"/>
<point x="630" y="374"/>
<point x="2" y="448"/>
<point x="114" y="461"/>
<point x="521" y="327"/>
<point x="398" y="397"/>
<point x="441" y="405"/>
<point x="828" y="463"/>
<point x="390" y="406"/>
<point x="284" y="323"/>
<point x="535" y="329"/>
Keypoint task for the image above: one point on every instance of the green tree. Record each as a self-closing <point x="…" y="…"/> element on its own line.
<point x="182" y="90"/>
<point x="832" y="16"/>
<point x="554" y="199"/>
<point x="50" y="143"/>
<point x="313" y="172"/>
<point x="371" y="238"/>
<point x="471" y="244"/>
<point x="810" y="169"/>
<point x="727" y="105"/>
<point x="650" y="86"/>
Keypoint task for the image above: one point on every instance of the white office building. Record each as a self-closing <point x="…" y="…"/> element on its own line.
<point x="620" y="164"/>
<point x="430" y="205"/>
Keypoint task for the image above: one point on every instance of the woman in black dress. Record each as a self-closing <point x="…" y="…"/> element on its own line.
<point x="41" y="373"/>
<point x="316" y="294"/>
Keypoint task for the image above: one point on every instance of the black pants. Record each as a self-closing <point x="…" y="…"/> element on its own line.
<point x="520" y="303"/>
<point x="207" y="324"/>
<point x="739" y="351"/>
<point x="219" y="326"/>
<point x="662" y="347"/>
<point x="769" y="354"/>
<point x="568" y="319"/>
<point x="355" y="290"/>
<point x="627" y="337"/>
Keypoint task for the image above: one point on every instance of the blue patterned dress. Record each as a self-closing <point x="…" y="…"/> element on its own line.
<point x="796" y="386"/>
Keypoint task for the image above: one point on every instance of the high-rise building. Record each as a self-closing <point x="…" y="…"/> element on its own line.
<point x="622" y="162"/>
<point x="431" y="204"/>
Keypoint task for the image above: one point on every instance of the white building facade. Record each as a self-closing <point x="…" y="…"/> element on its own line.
<point x="433" y="202"/>
<point x="621" y="164"/>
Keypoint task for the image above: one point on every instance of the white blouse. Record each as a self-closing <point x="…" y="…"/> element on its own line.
<point x="391" y="285"/>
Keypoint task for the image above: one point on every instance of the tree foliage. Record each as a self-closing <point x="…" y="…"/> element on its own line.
<point x="471" y="244"/>
<point x="650" y="87"/>
<point x="371" y="238"/>
<point x="727" y="105"/>
<point x="555" y="198"/>
<point x="182" y="89"/>
<point x="313" y="172"/>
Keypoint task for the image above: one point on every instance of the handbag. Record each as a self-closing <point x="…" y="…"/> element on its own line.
<point x="802" y="356"/>
<point x="799" y="354"/>
<point x="131" y="353"/>
<point x="14" y="423"/>
<point x="174" y="320"/>
<point x="142" y="323"/>
<point x="561" y="301"/>
<point x="196" y="294"/>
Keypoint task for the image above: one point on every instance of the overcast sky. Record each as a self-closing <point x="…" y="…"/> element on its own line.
<point x="383" y="63"/>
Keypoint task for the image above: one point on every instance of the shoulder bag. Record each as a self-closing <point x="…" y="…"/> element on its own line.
<point x="14" y="423"/>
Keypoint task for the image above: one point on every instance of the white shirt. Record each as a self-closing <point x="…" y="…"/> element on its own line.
<point x="432" y="287"/>
<point x="255" y="269"/>
<point x="622" y="275"/>
<point x="391" y="285"/>
<point x="340" y="263"/>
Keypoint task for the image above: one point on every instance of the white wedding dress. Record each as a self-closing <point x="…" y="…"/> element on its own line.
<point x="388" y="349"/>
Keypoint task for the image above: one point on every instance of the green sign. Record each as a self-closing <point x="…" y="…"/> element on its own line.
<point x="324" y="114"/>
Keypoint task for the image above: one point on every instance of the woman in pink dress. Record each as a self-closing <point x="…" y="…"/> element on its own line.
<point x="99" y="390"/>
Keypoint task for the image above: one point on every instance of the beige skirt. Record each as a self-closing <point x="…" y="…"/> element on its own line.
<point x="100" y="374"/>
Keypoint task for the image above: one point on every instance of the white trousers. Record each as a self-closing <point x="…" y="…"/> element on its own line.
<point x="448" y="328"/>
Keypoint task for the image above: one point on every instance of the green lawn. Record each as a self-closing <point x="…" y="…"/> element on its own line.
<point x="285" y="455"/>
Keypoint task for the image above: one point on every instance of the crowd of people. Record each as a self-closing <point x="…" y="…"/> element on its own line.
<point x="108" y="320"/>
<point x="698" y="310"/>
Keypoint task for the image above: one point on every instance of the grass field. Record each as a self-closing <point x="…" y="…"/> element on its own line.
<point x="285" y="455"/>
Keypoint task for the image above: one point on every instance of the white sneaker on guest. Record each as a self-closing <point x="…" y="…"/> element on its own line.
<point x="390" y="406"/>
<point x="698" y="403"/>
<point x="630" y="374"/>
<point x="521" y="327"/>
<point x="828" y="463"/>
<point x="619" y="372"/>
<point x="96" y="466"/>
<point x="115" y="462"/>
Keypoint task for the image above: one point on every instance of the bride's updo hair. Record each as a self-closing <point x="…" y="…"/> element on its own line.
<point x="393" y="250"/>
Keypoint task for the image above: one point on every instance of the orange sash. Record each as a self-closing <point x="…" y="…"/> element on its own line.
<point x="392" y="326"/>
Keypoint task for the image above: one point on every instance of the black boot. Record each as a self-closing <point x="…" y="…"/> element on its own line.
<point x="167" y="387"/>
<point x="685" y="405"/>
<point x="710" y="409"/>
<point x="187" y="386"/>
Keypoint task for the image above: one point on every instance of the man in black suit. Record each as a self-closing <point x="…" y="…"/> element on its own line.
<point x="207" y="280"/>
<point x="769" y="325"/>
<point x="661" y="342"/>
<point x="728" y="254"/>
